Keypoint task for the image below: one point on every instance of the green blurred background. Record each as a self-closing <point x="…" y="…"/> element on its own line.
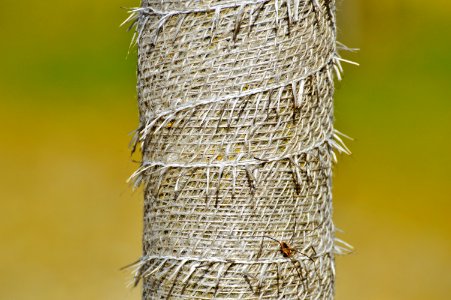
<point x="68" y="220"/>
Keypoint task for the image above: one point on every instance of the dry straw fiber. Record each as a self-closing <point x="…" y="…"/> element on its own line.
<point x="237" y="139"/>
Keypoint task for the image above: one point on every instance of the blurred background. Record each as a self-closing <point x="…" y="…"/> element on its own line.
<point x="68" y="220"/>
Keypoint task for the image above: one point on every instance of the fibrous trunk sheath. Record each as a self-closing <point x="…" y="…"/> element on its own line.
<point x="237" y="139"/>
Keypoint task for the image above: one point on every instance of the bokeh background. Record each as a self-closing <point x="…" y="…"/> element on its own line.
<point x="68" y="220"/>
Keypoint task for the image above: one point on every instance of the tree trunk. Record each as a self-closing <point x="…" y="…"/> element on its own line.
<point x="237" y="139"/>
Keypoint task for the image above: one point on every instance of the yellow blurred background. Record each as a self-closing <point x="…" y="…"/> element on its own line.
<point x="68" y="220"/>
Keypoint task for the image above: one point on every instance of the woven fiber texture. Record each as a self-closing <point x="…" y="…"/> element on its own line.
<point x="237" y="138"/>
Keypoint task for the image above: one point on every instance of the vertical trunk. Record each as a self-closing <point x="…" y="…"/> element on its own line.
<point x="236" y="112"/>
